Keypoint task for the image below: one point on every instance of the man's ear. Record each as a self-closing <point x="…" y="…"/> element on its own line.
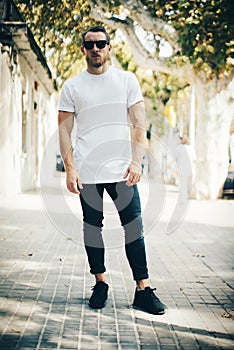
<point x="110" y="47"/>
<point x="82" y="50"/>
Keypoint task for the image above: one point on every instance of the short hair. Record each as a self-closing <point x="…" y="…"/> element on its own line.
<point x="96" y="29"/>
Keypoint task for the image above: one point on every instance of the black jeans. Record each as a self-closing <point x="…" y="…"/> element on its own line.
<point x="127" y="202"/>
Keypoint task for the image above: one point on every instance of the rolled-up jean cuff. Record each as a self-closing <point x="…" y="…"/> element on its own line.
<point x="95" y="272"/>
<point x="141" y="277"/>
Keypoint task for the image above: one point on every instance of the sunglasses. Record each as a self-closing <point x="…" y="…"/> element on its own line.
<point x="89" y="45"/>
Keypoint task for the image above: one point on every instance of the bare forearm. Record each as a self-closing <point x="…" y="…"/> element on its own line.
<point x="65" y="122"/>
<point x="66" y="148"/>
<point x="138" y="145"/>
<point x="138" y="119"/>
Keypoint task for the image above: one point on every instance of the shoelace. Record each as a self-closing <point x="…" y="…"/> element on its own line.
<point x="96" y="286"/>
<point x="151" y="291"/>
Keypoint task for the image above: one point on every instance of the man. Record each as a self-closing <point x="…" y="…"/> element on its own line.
<point x="102" y="99"/>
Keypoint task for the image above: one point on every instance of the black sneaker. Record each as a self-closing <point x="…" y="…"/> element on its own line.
<point x="99" y="295"/>
<point x="146" y="300"/>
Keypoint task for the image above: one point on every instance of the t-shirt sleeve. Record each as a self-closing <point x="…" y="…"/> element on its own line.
<point x="66" y="102"/>
<point x="134" y="91"/>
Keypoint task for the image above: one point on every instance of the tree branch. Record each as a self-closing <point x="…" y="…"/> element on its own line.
<point x="143" y="58"/>
<point x="151" y="24"/>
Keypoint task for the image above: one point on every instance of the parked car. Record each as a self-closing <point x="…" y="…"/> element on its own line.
<point x="59" y="163"/>
<point x="228" y="187"/>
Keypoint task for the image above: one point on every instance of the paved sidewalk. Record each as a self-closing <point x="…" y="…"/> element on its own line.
<point x="45" y="282"/>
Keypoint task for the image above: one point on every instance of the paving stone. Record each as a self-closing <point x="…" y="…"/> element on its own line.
<point x="45" y="284"/>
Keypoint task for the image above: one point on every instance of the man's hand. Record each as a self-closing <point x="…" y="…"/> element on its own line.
<point x="133" y="173"/>
<point x="73" y="182"/>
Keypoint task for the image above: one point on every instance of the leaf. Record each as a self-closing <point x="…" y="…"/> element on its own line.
<point x="198" y="255"/>
<point x="227" y="315"/>
<point x="14" y="330"/>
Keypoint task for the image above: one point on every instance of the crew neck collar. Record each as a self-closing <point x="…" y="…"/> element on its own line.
<point x="98" y="76"/>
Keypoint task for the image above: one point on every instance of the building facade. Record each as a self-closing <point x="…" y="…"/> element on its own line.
<point x="27" y="104"/>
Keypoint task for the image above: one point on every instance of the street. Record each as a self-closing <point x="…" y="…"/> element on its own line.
<point x="45" y="280"/>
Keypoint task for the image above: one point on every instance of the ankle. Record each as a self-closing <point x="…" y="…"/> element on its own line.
<point x="100" y="278"/>
<point x="141" y="284"/>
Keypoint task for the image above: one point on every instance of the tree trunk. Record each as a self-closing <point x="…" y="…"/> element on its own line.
<point x="213" y="118"/>
<point x="213" y="110"/>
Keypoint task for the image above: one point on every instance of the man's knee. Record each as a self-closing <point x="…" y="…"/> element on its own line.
<point x="93" y="235"/>
<point x="133" y="230"/>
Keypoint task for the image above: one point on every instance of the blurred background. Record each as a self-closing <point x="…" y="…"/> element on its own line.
<point x="182" y="53"/>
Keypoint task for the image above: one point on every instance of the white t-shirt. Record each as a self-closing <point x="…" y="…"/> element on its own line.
<point x="102" y="150"/>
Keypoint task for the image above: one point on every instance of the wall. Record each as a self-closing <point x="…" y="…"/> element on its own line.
<point x="28" y="119"/>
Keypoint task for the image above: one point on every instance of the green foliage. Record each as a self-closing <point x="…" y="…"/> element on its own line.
<point x="57" y="26"/>
<point x="206" y="30"/>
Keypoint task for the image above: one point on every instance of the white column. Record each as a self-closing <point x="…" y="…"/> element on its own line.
<point x="192" y="118"/>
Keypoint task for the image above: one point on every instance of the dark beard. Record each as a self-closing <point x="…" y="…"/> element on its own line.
<point x="95" y="64"/>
